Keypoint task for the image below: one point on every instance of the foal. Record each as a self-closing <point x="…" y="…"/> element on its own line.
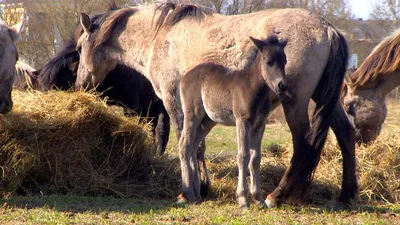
<point x="212" y="94"/>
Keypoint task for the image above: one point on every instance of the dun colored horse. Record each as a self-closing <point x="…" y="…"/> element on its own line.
<point x="166" y="41"/>
<point x="364" y="96"/>
<point x="8" y="58"/>
<point x="212" y="94"/>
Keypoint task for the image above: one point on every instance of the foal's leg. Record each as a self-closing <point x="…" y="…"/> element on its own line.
<point x="206" y="125"/>
<point x="345" y="136"/>
<point x="299" y="124"/>
<point x="243" y="158"/>
<point x="187" y="155"/>
<point x="172" y="104"/>
<point x="255" y="160"/>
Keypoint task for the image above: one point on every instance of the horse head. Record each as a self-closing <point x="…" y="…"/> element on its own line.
<point x="273" y="61"/>
<point x="8" y="58"/>
<point x="366" y="109"/>
<point x="94" y="63"/>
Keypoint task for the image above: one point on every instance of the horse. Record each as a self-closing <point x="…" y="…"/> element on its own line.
<point x="25" y="76"/>
<point x="212" y="94"/>
<point x="165" y="41"/>
<point x="123" y="86"/>
<point x="8" y="58"/>
<point x="364" y="92"/>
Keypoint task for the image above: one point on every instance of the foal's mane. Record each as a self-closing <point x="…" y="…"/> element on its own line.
<point x="385" y="58"/>
<point x="180" y="11"/>
<point x="103" y="26"/>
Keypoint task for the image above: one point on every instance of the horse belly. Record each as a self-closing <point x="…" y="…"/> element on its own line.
<point x="219" y="109"/>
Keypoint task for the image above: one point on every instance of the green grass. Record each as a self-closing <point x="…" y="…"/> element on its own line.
<point x="222" y="140"/>
<point x="96" y="210"/>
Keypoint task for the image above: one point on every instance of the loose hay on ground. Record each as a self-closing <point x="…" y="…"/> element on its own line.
<point x="72" y="143"/>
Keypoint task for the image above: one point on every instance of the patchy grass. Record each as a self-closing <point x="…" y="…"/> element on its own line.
<point x="86" y="210"/>
<point x="378" y="172"/>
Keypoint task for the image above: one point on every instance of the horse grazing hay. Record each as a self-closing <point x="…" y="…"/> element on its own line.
<point x="72" y="143"/>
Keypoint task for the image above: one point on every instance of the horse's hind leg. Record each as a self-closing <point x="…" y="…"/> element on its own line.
<point x="345" y="136"/>
<point x="243" y="158"/>
<point x="204" y="178"/>
<point x="299" y="124"/>
<point x="255" y="160"/>
<point x="172" y="103"/>
<point x="188" y="158"/>
<point x="206" y="125"/>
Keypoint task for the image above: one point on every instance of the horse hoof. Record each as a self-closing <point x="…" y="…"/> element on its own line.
<point x="204" y="189"/>
<point x="181" y="199"/>
<point x="261" y="205"/>
<point x="244" y="206"/>
<point x="271" y="203"/>
<point x="243" y="202"/>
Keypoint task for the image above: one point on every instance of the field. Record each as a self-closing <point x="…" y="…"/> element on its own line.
<point x="378" y="169"/>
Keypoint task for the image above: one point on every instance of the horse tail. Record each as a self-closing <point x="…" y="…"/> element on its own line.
<point x="327" y="96"/>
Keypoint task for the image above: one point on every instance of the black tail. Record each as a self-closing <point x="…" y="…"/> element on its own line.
<point x="326" y="96"/>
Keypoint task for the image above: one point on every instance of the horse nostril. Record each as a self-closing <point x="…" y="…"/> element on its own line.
<point x="282" y="86"/>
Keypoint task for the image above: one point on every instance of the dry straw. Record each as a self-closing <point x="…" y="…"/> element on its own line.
<point x="72" y="143"/>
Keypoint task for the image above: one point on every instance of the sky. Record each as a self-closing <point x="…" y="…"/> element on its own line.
<point x="362" y="8"/>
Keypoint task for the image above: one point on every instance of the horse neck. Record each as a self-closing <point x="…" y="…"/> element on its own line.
<point x="134" y="43"/>
<point x="378" y="88"/>
<point x="391" y="81"/>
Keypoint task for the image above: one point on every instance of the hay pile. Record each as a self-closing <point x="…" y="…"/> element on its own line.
<point x="72" y="143"/>
<point x="378" y="170"/>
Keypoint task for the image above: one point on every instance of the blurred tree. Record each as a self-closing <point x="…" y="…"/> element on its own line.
<point x="387" y="10"/>
<point x="50" y="23"/>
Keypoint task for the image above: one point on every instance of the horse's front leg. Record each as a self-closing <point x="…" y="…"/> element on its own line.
<point x="162" y="127"/>
<point x="255" y="160"/>
<point x="243" y="158"/>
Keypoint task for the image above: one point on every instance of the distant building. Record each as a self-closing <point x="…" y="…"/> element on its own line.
<point x="363" y="36"/>
<point x="11" y="11"/>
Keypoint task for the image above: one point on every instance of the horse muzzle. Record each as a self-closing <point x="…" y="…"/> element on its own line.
<point x="6" y="106"/>
<point x="282" y="87"/>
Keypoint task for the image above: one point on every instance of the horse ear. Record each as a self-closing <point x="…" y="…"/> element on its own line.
<point x="258" y="43"/>
<point x="85" y="22"/>
<point x="15" y="31"/>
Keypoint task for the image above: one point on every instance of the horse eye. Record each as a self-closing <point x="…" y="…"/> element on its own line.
<point x="270" y="63"/>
